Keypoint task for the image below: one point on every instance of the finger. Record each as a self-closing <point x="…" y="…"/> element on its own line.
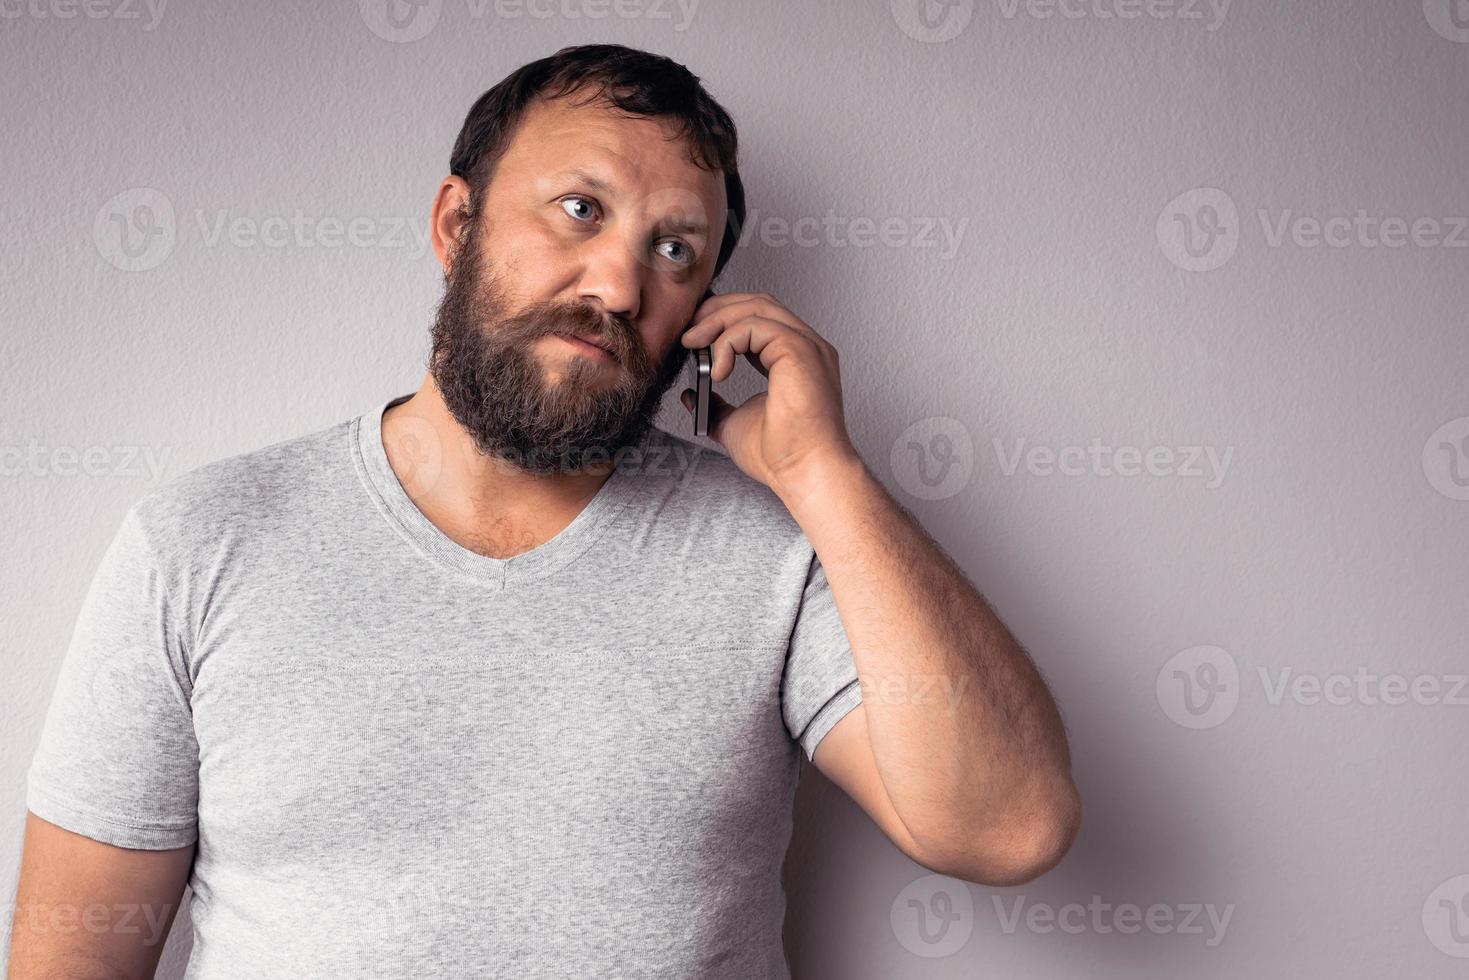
<point x="754" y="361"/>
<point x="767" y="341"/>
<point x="719" y="412"/>
<point x="712" y="317"/>
<point x="712" y="305"/>
<point x="719" y="408"/>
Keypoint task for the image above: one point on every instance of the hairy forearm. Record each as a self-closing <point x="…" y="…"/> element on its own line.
<point x="964" y="733"/>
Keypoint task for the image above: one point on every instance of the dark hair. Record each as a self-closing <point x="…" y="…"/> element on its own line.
<point x="634" y="81"/>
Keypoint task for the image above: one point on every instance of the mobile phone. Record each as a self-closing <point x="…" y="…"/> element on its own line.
<point x="702" y="359"/>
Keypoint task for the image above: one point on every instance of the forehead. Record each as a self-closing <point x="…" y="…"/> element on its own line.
<point x="638" y="158"/>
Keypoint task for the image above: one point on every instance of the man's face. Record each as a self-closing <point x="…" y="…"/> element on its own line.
<point x="597" y="224"/>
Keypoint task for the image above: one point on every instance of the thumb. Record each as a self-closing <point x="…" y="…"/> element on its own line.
<point x="719" y="410"/>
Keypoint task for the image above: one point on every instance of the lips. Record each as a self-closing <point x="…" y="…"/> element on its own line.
<point x="595" y="342"/>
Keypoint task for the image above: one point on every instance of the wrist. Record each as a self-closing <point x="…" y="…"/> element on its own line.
<point x="819" y="477"/>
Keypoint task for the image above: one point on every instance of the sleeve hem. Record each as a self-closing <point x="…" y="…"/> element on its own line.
<point x="157" y="836"/>
<point x="825" y="719"/>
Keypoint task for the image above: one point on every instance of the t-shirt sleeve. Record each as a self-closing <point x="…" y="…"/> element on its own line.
<point x="820" y="684"/>
<point x="117" y="760"/>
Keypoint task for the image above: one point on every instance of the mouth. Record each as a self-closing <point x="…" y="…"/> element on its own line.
<point x="590" y="345"/>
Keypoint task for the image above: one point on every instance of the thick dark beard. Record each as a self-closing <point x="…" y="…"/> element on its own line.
<point x="492" y="382"/>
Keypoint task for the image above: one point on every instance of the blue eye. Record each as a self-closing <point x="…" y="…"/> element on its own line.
<point x="578" y="200"/>
<point x="688" y="258"/>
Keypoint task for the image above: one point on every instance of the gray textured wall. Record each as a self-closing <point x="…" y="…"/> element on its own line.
<point x="1153" y="312"/>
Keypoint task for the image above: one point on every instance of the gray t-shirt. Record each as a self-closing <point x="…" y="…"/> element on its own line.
<point x="401" y="758"/>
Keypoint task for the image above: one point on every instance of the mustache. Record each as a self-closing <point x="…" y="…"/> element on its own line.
<point x="551" y="319"/>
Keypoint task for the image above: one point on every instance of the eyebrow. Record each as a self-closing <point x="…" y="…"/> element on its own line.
<point x="591" y="180"/>
<point x="684" y="223"/>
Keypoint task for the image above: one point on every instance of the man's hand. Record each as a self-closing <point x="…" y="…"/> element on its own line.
<point x="788" y="436"/>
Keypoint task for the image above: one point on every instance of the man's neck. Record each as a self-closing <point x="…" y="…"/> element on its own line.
<point x="480" y="503"/>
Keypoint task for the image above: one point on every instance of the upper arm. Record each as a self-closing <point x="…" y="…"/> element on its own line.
<point x="845" y="757"/>
<point x="822" y="703"/>
<point x="1007" y="856"/>
<point x="85" y="909"/>
<point x="112" y="789"/>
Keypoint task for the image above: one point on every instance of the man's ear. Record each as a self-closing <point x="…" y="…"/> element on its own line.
<point x="450" y="216"/>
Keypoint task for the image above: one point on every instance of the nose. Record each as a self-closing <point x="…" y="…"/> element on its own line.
<point x="612" y="278"/>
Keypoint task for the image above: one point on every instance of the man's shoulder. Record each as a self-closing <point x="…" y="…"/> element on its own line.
<point x="249" y="487"/>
